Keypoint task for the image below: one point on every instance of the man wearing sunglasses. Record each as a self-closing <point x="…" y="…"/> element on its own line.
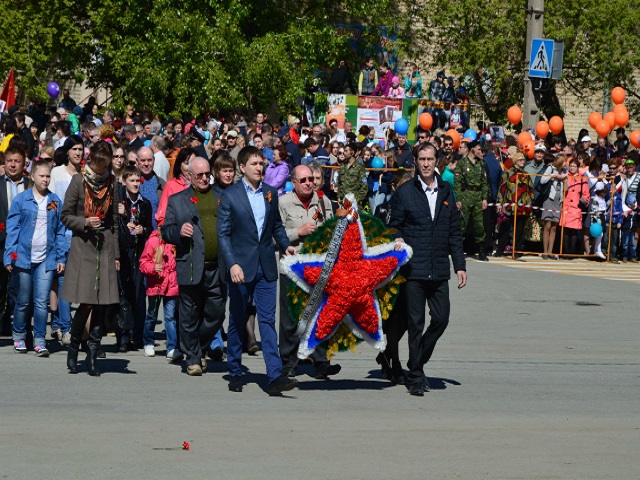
<point x="302" y="211"/>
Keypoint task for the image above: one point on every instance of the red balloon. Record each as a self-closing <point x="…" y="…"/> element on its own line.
<point x="455" y="136"/>
<point x="617" y="95"/>
<point x="524" y="138"/>
<point x="556" y="124"/>
<point x="594" y="118"/>
<point x="514" y="114"/>
<point x="603" y="129"/>
<point x="610" y="118"/>
<point x="542" y="129"/>
<point x="425" y="121"/>
<point x="634" y="138"/>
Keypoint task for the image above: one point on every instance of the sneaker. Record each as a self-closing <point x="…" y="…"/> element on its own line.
<point x="19" y="346"/>
<point x="41" y="351"/>
<point x="149" y="351"/>
<point x="601" y="255"/>
<point x="174" y="355"/>
<point x="66" y="339"/>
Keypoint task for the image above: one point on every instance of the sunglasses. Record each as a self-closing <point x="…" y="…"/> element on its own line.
<point x="422" y="137"/>
<point x="202" y="175"/>
<point x="304" y="180"/>
<point x="118" y="156"/>
<point x="341" y="152"/>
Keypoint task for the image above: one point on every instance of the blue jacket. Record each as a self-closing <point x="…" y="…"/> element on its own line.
<point x="238" y="233"/>
<point x="495" y="174"/>
<point x="21" y="223"/>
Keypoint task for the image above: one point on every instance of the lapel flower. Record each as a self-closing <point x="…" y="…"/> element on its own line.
<point x="1" y="227"/>
<point x="194" y="200"/>
<point x="100" y="215"/>
<point x="142" y="179"/>
<point x="268" y="196"/>
<point x="14" y="256"/>
<point x="52" y="206"/>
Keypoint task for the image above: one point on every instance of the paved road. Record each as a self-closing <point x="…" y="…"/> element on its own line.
<point x="538" y="377"/>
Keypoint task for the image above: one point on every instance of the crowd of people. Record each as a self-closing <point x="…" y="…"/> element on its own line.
<point x="120" y="214"/>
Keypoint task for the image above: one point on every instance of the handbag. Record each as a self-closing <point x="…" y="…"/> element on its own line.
<point x="533" y="230"/>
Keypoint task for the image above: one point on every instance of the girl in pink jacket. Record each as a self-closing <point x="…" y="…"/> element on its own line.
<point x="158" y="264"/>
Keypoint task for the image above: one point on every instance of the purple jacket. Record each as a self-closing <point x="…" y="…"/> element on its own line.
<point x="382" y="89"/>
<point x="276" y="175"/>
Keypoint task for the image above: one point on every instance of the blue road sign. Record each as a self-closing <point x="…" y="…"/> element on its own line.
<point x="541" y="58"/>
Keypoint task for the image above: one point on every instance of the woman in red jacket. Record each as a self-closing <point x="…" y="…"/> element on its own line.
<point x="576" y="201"/>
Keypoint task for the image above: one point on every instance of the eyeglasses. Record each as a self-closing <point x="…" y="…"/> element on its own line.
<point x="448" y="144"/>
<point x="304" y="180"/>
<point x="202" y="175"/>
<point x="422" y="137"/>
<point x="118" y="156"/>
<point x="341" y="152"/>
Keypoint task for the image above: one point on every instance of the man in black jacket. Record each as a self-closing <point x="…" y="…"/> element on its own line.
<point x="425" y="215"/>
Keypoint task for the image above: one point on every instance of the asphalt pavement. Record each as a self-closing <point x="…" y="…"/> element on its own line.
<point x="537" y="377"/>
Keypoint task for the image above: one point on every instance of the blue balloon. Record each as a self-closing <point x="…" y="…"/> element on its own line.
<point x="471" y="134"/>
<point x="377" y="162"/>
<point x="401" y="126"/>
<point x="595" y="230"/>
<point x="288" y="187"/>
<point x="53" y="89"/>
<point x="147" y="143"/>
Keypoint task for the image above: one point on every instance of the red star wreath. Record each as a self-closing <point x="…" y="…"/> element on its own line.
<point x="350" y="294"/>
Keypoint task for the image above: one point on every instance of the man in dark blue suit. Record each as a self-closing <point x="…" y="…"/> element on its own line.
<point x="425" y="215"/>
<point x="248" y="222"/>
<point x="190" y="224"/>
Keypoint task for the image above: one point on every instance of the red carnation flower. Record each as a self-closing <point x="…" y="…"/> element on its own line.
<point x="100" y="215"/>
<point x="186" y="446"/>
<point x="194" y="200"/>
<point x="1" y="227"/>
<point x="14" y="256"/>
<point x="142" y="179"/>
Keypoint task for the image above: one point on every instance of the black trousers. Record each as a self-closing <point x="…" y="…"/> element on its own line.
<point x="506" y="230"/>
<point x="415" y="294"/>
<point x="288" y="340"/>
<point x="202" y="309"/>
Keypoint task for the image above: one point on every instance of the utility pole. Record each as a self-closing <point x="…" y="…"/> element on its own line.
<point x="535" y="24"/>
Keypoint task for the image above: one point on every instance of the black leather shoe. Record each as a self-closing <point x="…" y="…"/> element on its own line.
<point x="417" y="390"/>
<point x="235" y="384"/>
<point x="425" y="384"/>
<point x="217" y="354"/>
<point x="325" y="371"/>
<point x="385" y="366"/>
<point x="282" y="384"/>
<point x="482" y="257"/>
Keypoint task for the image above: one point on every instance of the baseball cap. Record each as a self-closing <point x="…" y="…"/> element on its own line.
<point x="540" y="148"/>
<point x="586" y="138"/>
<point x="283" y="131"/>
<point x="232" y="133"/>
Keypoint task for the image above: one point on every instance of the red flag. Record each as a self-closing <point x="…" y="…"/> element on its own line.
<point x="9" y="91"/>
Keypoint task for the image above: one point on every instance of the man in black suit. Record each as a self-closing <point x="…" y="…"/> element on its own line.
<point x="135" y="142"/>
<point x="11" y="184"/>
<point x="249" y="221"/>
<point x="191" y="224"/>
<point x="425" y="215"/>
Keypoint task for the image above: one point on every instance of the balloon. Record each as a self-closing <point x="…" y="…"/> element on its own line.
<point x="147" y="143"/>
<point x="377" y="162"/>
<point x="617" y="95"/>
<point x="619" y="108"/>
<point x="514" y="114"/>
<point x="471" y="134"/>
<point x="288" y="187"/>
<point x="556" y="124"/>
<point x="602" y="128"/>
<point x="594" y="118"/>
<point x="529" y="149"/>
<point x="542" y="129"/>
<point x="401" y="126"/>
<point x="455" y="136"/>
<point x="610" y="118"/>
<point x="621" y="116"/>
<point x="465" y="139"/>
<point x="53" y="89"/>
<point x="595" y="230"/>
<point x="634" y="138"/>
<point x="524" y="137"/>
<point x="425" y="121"/>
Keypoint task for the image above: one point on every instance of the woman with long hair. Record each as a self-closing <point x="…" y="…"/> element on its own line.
<point x="93" y="263"/>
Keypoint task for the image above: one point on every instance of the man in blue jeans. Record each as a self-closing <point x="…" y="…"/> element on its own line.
<point x="248" y="222"/>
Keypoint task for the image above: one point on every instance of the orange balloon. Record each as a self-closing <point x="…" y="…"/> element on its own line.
<point x="425" y="121"/>
<point x="523" y="138"/>
<point x="603" y="129"/>
<point x="542" y="129"/>
<point x="514" y="114"/>
<point x="556" y="124"/>
<point x="465" y="139"/>
<point x="617" y="95"/>
<point x="594" y="118"/>
<point x="622" y="118"/>
<point x="634" y="138"/>
<point x="619" y="108"/>
<point x="530" y="149"/>
<point x="610" y="118"/>
<point x="455" y="136"/>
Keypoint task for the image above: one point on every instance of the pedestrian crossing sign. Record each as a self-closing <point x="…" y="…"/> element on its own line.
<point x="541" y="58"/>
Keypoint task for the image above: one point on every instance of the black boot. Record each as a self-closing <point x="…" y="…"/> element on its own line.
<point x="72" y="355"/>
<point x="482" y="255"/>
<point x="95" y="335"/>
